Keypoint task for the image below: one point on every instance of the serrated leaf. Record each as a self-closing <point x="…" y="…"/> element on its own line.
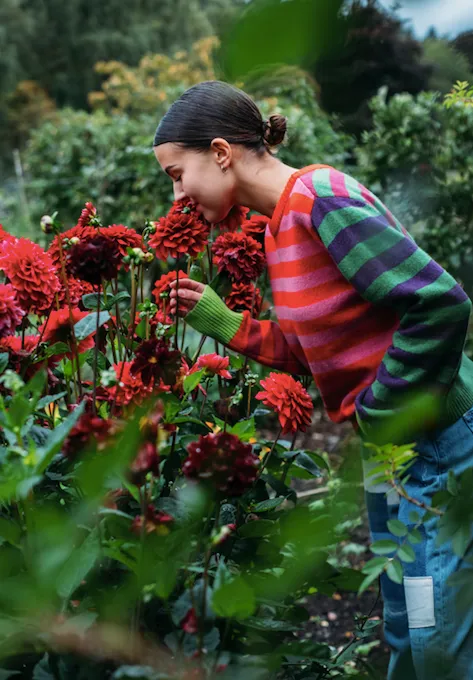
<point x="397" y="528"/>
<point x="270" y="504"/>
<point x="88" y="325"/>
<point x="305" y="462"/>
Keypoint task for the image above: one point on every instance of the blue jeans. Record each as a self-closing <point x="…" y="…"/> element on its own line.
<point x="429" y="633"/>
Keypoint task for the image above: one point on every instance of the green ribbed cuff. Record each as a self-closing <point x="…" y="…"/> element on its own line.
<point x="212" y="317"/>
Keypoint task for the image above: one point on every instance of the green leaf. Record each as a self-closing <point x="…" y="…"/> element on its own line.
<point x="373" y="569"/>
<point x="397" y="528"/>
<point x="406" y="553"/>
<point x="80" y="562"/>
<point x="270" y="625"/>
<point x="414" y="517"/>
<point x="192" y="380"/>
<point x="4" y="357"/>
<point x="10" y="531"/>
<point x="414" y="536"/>
<point x="384" y="547"/>
<point x="394" y="571"/>
<point x="234" y="599"/>
<point x="305" y="462"/>
<point x="56" y="349"/>
<point x="221" y="284"/>
<point x="90" y="300"/>
<point x="49" y="399"/>
<point x="452" y="484"/>
<point x="270" y="504"/>
<point x="244" y="429"/>
<point x="55" y="440"/>
<point x="223" y="575"/>
<point x="88" y="325"/>
<point x="257" y="528"/>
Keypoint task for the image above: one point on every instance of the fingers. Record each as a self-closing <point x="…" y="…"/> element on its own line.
<point x="189" y="284"/>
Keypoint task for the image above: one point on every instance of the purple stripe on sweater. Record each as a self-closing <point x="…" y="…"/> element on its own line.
<point x="427" y="275"/>
<point x="323" y="206"/>
<point x="392" y="382"/>
<point x="351" y="236"/>
<point x="422" y="331"/>
<point x="382" y="263"/>
<point x="426" y="360"/>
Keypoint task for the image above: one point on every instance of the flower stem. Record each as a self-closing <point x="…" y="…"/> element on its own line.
<point x="75" y="352"/>
<point x="268" y="457"/>
<point x="248" y="405"/>
<point x="176" y="337"/>
<point x="96" y="353"/>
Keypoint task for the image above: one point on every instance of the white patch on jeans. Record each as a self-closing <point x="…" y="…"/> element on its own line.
<point x="419" y="591"/>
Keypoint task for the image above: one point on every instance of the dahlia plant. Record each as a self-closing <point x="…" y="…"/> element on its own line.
<point x="149" y="523"/>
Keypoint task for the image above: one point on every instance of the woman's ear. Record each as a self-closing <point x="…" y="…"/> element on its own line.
<point x="222" y="152"/>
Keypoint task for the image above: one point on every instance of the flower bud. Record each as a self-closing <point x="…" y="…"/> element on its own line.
<point x="148" y="257"/>
<point x="47" y="224"/>
<point x="74" y="240"/>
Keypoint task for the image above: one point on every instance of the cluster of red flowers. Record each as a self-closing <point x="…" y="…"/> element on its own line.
<point x="162" y="285"/>
<point x="289" y="399"/>
<point x="11" y="314"/>
<point x="131" y="388"/>
<point x="181" y="232"/>
<point x="222" y="460"/>
<point x="58" y="328"/>
<point x="89" y="429"/>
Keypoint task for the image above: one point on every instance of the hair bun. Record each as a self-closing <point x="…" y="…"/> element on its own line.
<point x="275" y="129"/>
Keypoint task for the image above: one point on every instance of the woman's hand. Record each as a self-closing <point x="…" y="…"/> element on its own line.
<point x="189" y="294"/>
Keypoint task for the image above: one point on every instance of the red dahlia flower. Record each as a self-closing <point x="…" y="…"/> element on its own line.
<point x="58" y="328"/>
<point x="154" y="521"/>
<point x="94" y="259"/>
<point x="5" y="235"/>
<point x="162" y="285"/>
<point x="88" y="428"/>
<point x="124" y="237"/>
<point x="222" y="460"/>
<point x="190" y="623"/>
<point x="76" y="290"/>
<point x="146" y="461"/>
<point x="11" y="313"/>
<point x="243" y="297"/>
<point x="131" y="388"/>
<point x="155" y="362"/>
<point x="32" y="274"/>
<point x="213" y="364"/>
<point x="239" y="255"/>
<point x="181" y="232"/>
<point x="256" y="227"/>
<point x="289" y="399"/>
<point x="234" y="219"/>
<point x="89" y="212"/>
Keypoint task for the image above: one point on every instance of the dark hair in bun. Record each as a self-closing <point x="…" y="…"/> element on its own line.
<point x="216" y="109"/>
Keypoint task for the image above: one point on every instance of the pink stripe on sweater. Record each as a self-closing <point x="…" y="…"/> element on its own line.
<point x="293" y="253"/>
<point x="318" y="309"/>
<point x="337" y="182"/>
<point x="351" y="356"/>
<point x="294" y="219"/>
<point x="294" y="284"/>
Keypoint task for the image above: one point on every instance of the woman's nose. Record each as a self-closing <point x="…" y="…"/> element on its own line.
<point x="179" y="194"/>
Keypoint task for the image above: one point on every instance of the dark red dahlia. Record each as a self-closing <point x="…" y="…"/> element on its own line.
<point x="11" y="313"/>
<point x="256" y="227"/>
<point x="146" y="461"/>
<point x="154" y="521"/>
<point x="131" y="388"/>
<point x="89" y="428"/>
<point x="223" y="461"/>
<point x="94" y="259"/>
<point x="32" y="274"/>
<point x="243" y="297"/>
<point x="234" y="219"/>
<point x="124" y="237"/>
<point x="155" y="362"/>
<point x="239" y="255"/>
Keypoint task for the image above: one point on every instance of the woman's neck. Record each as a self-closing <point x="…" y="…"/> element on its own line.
<point x="261" y="183"/>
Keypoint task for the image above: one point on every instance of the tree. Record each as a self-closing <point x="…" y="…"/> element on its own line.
<point x="376" y="51"/>
<point x="464" y="44"/>
<point x="448" y="65"/>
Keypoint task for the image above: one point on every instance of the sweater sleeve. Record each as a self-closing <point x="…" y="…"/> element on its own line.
<point x="262" y="341"/>
<point x="385" y="265"/>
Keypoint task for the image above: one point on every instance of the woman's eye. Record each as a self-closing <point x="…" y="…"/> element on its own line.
<point x="178" y="179"/>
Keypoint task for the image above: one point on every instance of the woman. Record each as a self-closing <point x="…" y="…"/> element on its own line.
<point x="363" y="309"/>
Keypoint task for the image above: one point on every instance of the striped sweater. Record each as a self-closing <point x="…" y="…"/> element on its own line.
<point x="359" y="305"/>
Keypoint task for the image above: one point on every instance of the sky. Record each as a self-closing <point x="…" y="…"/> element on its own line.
<point x="447" y="16"/>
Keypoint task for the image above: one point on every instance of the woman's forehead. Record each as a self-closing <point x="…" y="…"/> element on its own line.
<point x="168" y="154"/>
